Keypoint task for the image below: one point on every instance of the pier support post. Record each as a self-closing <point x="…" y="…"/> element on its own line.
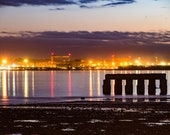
<point x="106" y="87"/>
<point x="129" y="87"/>
<point x="152" y="87"/>
<point x="118" y="86"/>
<point x="163" y="86"/>
<point x="140" y="87"/>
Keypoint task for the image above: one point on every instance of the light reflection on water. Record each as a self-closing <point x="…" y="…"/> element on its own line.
<point x="26" y="84"/>
<point x="90" y="84"/>
<point x="52" y="83"/>
<point x="69" y="84"/>
<point x="4" y="84"/>
<point x="13" y="84"/>
<point x="98" y="83"/>
<point x="62" y="83"/>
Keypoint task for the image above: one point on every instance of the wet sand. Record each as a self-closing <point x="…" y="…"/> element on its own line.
<point x="87" y="118"/>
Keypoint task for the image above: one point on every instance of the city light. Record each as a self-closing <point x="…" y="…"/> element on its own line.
<point x="25" y="60"/>
<point x="137" y="62"/>
<point x="65" y="62"/>
<point x="14" y="65"/>
<point x="163" y="63"/>
<point x="113" y="64"/>
<point x="4" y="61"/>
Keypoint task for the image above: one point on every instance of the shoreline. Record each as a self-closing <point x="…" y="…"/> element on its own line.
<point x="159" y="67"/>
<point x="118" y="98"/>
<point x="87" y="117"/>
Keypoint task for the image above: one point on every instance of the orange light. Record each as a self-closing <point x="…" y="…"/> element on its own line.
<point x="163" y="63"/>
<point x="25" y="60"/>
<point x="4" y="61"/>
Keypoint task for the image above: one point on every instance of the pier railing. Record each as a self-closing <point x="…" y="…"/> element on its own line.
<point x="140" y="83"/>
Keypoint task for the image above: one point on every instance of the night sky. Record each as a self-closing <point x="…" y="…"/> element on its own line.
<point x="85" y="28"/>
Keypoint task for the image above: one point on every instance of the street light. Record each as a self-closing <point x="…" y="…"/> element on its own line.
<point x="4" y="61"/>
<point x="25" y="60"/>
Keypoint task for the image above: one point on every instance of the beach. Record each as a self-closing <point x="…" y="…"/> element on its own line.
<point x="87" y="117"/>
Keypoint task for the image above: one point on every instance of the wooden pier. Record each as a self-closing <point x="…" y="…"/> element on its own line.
<point x="140" y="83"/>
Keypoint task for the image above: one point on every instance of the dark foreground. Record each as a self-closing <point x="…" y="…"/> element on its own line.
<point x="86" y="118"/>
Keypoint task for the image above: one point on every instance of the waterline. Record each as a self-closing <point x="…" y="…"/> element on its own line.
<point x="119" y="98"/>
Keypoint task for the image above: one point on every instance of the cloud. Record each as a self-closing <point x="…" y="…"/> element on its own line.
<point x="58" y="9"/>
<point x="88" y="1"/>
<point x="87" y="7"/>
<point x="103" y="3"/>
<point x="80" y="3"/>
<point x="34" y="2"/>
<point x="84" y="44"/>
<point x="121" y="2"/>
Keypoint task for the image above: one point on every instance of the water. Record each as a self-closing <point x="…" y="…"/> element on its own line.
<point x="38" y="85"/>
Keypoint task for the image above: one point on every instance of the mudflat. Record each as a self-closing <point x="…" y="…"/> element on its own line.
<point x="87" y="118"/>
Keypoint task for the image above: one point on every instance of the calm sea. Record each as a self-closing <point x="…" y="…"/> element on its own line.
<point x="22" y="86"/>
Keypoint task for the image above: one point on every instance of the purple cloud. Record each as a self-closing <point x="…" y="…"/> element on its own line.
<point x="81" y="3"/>
<point x="84" y="44"/>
